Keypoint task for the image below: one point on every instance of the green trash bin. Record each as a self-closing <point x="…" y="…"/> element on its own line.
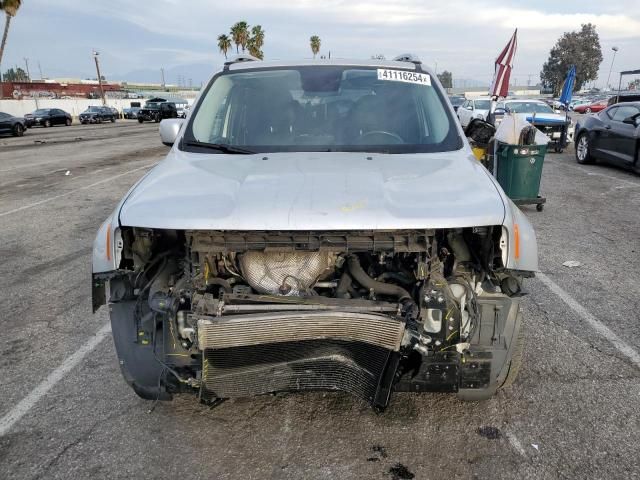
<point x="519" y="169"/>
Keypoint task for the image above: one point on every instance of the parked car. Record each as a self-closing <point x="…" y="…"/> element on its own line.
<point x="47" y="117"/>
<point x="591" y="107"/>
<point x="612" y="135"/>
<point x="544" y="118"/>
<point x="115" y="112"/>
<point x="456" y="101"/>
<point x="13" y="125"/>
<point x="318" y="226"/>
<point x="131" y="112"/>
<point x="156" y="111"/>
<point x="97" y="115"/>
<point x="578" y="101"/>
<point x="473" y="108"/>
<point x="624" y="97"/>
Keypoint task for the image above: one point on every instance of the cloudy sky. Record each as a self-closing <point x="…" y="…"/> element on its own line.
<point x="136" y="38"/>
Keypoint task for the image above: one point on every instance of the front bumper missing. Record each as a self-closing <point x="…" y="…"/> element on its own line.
<point x="246" y="355"/>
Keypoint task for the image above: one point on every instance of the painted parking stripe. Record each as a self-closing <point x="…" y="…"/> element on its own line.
<point x="596" y="324"/>
<point x="66" y="194"/>
<point x="69" y="363"/>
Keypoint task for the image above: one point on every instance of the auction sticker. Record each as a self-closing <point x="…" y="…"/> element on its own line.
<point x="404" y="76"/>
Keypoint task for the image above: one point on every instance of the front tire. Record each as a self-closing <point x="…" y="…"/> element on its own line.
<point x="47" y="123"/>
<point x="68" y="122"/>
<point x="140" y="120"/>
<point x="588" y="110"/>
<point x="583" y="150"/>
<point x="18" y="130"/>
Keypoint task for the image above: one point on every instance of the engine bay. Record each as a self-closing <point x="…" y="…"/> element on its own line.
<point x="229" y="314"/>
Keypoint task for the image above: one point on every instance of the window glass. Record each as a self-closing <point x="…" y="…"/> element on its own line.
<point x="529" y="107"/>
<point x="324" y="108"/>
<point x="482" y="104"/>
<point x="623" y="112"/>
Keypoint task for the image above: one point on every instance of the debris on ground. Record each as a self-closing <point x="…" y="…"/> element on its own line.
<point x="571" y="263"/>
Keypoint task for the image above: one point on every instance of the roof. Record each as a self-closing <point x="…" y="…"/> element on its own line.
<point x="327" y="62"/>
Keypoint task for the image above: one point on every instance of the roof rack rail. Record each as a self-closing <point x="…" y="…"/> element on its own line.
<point x="408" y="57"/>
<point x="240" y="59"/>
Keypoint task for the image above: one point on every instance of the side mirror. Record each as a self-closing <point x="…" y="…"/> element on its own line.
<point x="632" y="120"/>
<point x="499" y="111"/>
<point x="169" y="129"/>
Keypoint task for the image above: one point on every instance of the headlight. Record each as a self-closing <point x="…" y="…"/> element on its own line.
<point x="38" y="119"/>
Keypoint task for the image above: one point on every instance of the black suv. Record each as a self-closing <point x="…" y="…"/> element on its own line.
<point x="97" y="115"/>
<point x="47" y="117"/>
<point x="157" y="111"/>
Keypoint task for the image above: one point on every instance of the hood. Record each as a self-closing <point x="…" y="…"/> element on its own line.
<point x="314" y="191"/>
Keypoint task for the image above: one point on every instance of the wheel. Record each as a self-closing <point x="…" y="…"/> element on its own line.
<point x="113" y="120"/>
<point x="583" y="149"/>
<point x="18" y="130"/>
<point x="99" y="120"/>
<point x="47" y="123"/>
<point x="140" y="120"/>
<point x="558" y="149"/>
<point x="68" y="122"/>
<point x="588" y="110"/>
<point x="540" y="207"/>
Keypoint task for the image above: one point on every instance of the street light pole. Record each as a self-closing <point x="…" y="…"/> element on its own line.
<point x="615" y="50"/>
<point x="26" y="63"/>
<point x="95" y="57"/>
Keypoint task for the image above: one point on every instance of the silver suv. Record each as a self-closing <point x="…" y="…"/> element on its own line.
<point x="316" y="225"/>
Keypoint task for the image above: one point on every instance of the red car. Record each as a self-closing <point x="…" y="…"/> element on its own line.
<point x="591" y="107"/>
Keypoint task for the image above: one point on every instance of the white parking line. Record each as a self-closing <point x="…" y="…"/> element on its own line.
<point x="596" y="324"/>
<point x="69" y="363"/>
<point x="66" y="194"/>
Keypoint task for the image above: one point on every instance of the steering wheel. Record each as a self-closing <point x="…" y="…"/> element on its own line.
<point x="397" y="138"/>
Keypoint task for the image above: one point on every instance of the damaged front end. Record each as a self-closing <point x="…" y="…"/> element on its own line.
<point x="231" y="314"/>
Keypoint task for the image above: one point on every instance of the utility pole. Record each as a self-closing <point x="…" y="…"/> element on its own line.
<point x="615" y="50"/>
<point x="95" y="57"/>
<point x="40" y="70"/>
<point x="162" y="84"/>
<point x="26" y="63"/>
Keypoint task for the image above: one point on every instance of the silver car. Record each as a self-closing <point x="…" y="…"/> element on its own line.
<point x="317" y="225"/>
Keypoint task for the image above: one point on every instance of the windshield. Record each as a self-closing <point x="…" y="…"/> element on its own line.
<point x="152" y="106"/>
<point x="529" y="107"/>
<point x="482" y="104"/>
<point x="324" y="108"/>
<point x="41" y="111"/>
<point x="94" y="109"/>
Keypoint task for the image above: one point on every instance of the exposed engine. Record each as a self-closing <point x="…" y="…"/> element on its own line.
<point x="230" y="314"/>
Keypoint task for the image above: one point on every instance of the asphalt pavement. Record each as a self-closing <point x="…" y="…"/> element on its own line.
<point x="66" y="412"/>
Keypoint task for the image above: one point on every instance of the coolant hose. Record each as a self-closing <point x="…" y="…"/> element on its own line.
<point x="369" y="283"/>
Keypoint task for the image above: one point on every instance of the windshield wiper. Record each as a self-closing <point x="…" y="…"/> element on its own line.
<point x="221" y="147"/>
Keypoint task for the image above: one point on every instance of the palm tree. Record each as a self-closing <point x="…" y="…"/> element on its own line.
<point x="224" y="44"/>
<point x="10" y="8"/>
<point x="240" y="35"/>
<point x="255" y="43"/>
<point x="315" y="45"/>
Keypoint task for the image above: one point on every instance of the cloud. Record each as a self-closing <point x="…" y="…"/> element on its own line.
<point x="461" y="36"/>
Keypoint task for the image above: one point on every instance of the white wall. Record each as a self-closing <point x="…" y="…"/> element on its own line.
<point x="73" y="106"/>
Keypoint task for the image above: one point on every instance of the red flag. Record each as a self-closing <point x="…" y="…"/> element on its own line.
<point x="504" y="64"/>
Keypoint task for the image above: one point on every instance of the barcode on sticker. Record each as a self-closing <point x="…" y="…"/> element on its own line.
<point x="404" y="76"/>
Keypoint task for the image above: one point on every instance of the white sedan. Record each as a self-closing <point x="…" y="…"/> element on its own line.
<point x="475" y="108"/>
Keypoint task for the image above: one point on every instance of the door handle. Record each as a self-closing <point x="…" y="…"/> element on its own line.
<point x="607" y="127"/>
